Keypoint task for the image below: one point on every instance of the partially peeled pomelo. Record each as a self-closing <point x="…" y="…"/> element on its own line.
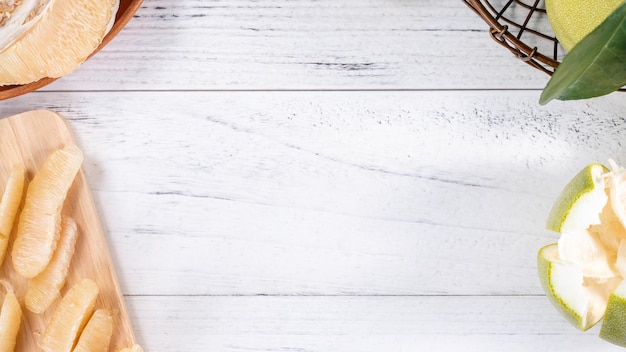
<point x="583" y="273"/>
<point x="56" y="41"/>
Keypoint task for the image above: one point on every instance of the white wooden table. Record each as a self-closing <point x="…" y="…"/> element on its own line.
<point x="333" y="175"/>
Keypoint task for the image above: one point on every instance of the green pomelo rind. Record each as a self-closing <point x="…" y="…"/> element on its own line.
<point x="582" y="189"/>
<point x="613" y="327"/>
<point x="546" y="267"/>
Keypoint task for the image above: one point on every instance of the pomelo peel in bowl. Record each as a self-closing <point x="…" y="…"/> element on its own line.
<point x="583" y="273"/>
<point x="60" y="36"/>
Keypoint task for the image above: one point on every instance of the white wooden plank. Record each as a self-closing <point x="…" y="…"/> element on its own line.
<point x="379" y="220"/>
<point x="331" y="192"/>
<point x="273" y="44"/>
<point x="222" y="248"/>
<point x="312" y="324"/>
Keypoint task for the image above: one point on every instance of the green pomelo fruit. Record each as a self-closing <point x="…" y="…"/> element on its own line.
<point x="572" y="20"/>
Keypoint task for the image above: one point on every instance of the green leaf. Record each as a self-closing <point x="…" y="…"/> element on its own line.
<point x="595" y="66"/>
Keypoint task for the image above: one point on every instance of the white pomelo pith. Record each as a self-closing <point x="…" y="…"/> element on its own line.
<point x="581" y="201"/>
<point x="581" y="301"/>
<point x="17" y="16"/>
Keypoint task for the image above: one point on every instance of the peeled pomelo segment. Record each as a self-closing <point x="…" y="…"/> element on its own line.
<point x="133" y="348"/>
<point x="9" y="205"/>
<point x="10" y="319"/>
<point x="581" y="301"/>
<point x="599" y="290"/>
<point x="70" y="317"/>
<point x="620" y="262"/>
<point x="617" y="186"/>
<point x="581" y="201"/>
<point x="584" y="249"/>
<point x="17" y="16"/>
<point x="61" y="39"/>
<point x="610" y="231"/>
<point x="45" y="288"/>
<point x="96" y="335"/>
<point x="39" y="225"/>
<point x="614" y="325"/>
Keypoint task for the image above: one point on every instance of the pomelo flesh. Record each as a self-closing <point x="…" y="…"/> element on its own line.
<point x="583" y="273"/>
<point x="57" y="41"/>
<point x="565" y="287"/>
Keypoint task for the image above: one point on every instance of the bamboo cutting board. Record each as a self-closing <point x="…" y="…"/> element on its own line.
<point x="29" y="138"/>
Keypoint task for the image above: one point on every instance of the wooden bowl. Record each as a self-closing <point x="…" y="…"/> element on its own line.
<point x="125" y="12"/>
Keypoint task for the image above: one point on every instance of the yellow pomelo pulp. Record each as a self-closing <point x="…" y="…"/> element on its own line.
<point x="9" y="205"/>
<point x="70" y="317"/>
<point x="45" y="288"/>
<point x="96" y="335"/>
<point x="65" y="34"/>
<point x="572" y="20"/>
<point x="39" y="225"/>
<point x="10" y="319"/>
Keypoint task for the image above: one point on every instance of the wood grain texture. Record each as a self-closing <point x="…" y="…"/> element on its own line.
<point x="327" y="176"/>
<point x="278" y="45"/>
<point x="438" y="323"/>
<point x="334" y="193"/>
<point x="28" y="138"/>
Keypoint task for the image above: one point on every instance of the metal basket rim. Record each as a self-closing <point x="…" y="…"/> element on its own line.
<point x="501" y="34"/>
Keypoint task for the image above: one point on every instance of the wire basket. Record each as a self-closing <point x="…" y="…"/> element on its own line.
<point x="522" y="27"/>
